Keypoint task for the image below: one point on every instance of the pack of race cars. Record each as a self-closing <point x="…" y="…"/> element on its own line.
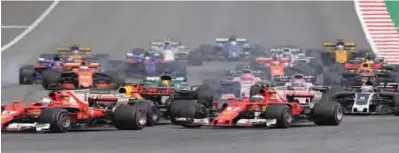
<point x="278" y="87"/>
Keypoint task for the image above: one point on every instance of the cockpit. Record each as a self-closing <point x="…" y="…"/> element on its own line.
<point x="246" y="71"/>
<point x="147" y="57"/>
<point x="298" y="76"/>
<point x="364" y="71"/>
<point x="246" y="77"/>
<point x="367" y="88"/>
<point x="340" y="47"/>
<point x="165" y="81"/>
<point x="84" y="68"/>
<point x="275" y="63"/>
<point x="257" y="98"/>
<point x="56" y="64"/>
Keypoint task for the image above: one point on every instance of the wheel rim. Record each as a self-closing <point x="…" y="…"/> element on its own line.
<point x="142" y="118"/>
<point x="340" y="113"/>
<point x="154" y="116"/>
<point x="65" y="120"/>
<point x="288" y="116"/>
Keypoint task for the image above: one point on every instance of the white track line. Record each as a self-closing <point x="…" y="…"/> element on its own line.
<point x="14" y="27"/>
<point x="31" y="27"/>
<point x="364" y="27"/>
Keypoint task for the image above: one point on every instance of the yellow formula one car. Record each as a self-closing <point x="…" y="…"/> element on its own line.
<point x="338" y="52"/>
<point x="74" y="53"/>
<point x="78" y="54"/>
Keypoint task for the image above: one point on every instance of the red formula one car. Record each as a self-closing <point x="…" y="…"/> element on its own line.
<point x="268" y="108"/>
<point x="64" y="110"/>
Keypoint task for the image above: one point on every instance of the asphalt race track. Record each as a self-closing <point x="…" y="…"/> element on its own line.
<point x="116" y="27"/>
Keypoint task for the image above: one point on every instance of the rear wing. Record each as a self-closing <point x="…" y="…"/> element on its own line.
<point x="351" y="66"/>
<point x="155" y="91"/>
<point x="269" y="60"/>
<point x="157" y="79"/>
<point x="161" y="43"/>
<point x="296" y="93"/>
<point x="64" y="51"/>
<point x="76" y="65"/>
<point x="285" y="78"/>
<point x="282" y="49"/>
<point x="334" y="44"/>
<point x="221" y="40"/>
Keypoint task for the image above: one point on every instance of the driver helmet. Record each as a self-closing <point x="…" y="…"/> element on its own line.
<point x="165" y="82"/>
<point x="57" y="63"/>
<point x="340" y="47"/>
<point x="367" y="88"/>
<point x="257" y="98"/>
<point x="45" y="100"/>
<point x="74" y="49"/>
<point x="83" y="68"/>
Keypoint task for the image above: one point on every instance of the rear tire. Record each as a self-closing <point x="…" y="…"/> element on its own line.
<point x="151" y="109"/>
<point x="127" y="117"/>
<point x="26" y="75"/>
<point x="327" y="112"/>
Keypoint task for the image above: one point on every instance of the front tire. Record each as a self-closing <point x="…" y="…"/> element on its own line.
<point x="59" y="119"/>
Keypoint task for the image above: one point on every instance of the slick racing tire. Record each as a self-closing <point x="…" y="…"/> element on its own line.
<point x="59" y="119"/>
<point x="151" y="109"/>
<point x="50" y="79"/>
<point x="282" y="114"/>
<point x="396" y="104"/>
<point x="327" y="112"/>
<point x="204" y="96"/>
<point x="26" y="75"/>
<point x="128" y="117"/>
<point x="188" y="109"/>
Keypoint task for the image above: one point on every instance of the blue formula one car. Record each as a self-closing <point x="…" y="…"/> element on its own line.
<point x="231" y="49"/>
<point x="142" y="63"/>
<point x="32" y="74"/>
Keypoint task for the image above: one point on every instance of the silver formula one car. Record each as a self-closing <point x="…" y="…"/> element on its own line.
<point x="369" y="99"/>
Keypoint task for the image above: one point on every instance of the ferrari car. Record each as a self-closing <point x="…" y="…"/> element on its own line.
<point x="77" y="76"/>
<point x="65" y="110"/>
<point x="369" y="99"/>
<point x="337" y="52"/>
<point x="231" y="49"/>
<point x="266" y="107"/>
